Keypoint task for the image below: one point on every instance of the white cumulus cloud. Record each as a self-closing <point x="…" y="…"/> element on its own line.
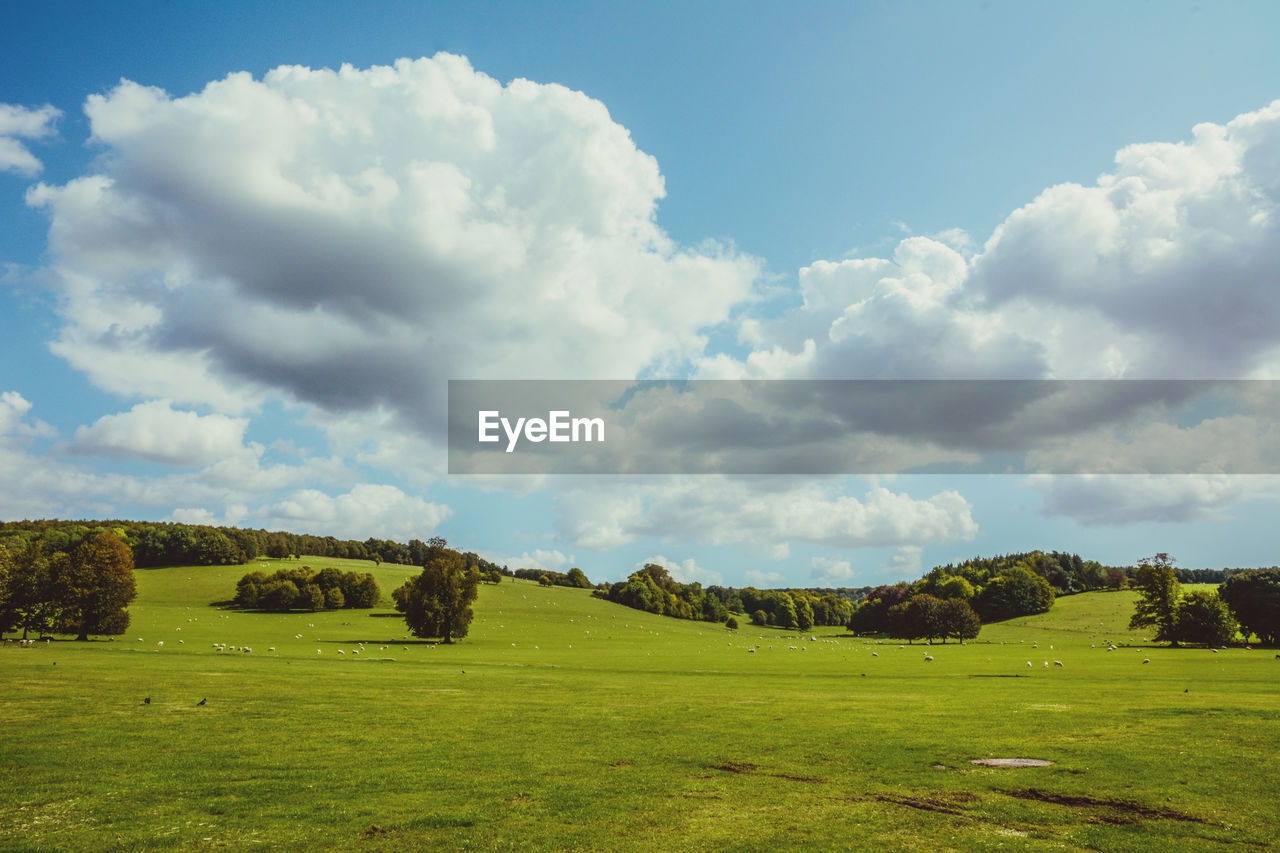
<point x="367" y="510"/>
<point x="830" y="569"/>
<point x="352" y="238"/>
<point x="157" y="432"/>
<point x="17" y="122"/>
<point x="1109" y="500"/>
<point x="759" y="512"/>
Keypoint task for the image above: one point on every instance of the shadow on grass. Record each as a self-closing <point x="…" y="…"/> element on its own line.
<point x="384" y="642"/>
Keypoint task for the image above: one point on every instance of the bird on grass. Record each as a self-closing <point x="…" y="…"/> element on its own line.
<point x="201" y="702"/>
<point x="146" y="701"/>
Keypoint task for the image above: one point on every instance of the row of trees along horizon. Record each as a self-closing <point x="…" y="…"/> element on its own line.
<point x="38" y="560"/>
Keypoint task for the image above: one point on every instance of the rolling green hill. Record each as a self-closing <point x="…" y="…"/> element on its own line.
<point x="567" y="722"/>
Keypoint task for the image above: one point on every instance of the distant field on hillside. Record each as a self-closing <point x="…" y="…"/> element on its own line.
<point x="567" y="722"/>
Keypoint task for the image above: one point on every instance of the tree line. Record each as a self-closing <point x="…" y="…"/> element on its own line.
<point x="574" y="578"/>
<point x="176" y="544"/>
<point x="83" y="591"/>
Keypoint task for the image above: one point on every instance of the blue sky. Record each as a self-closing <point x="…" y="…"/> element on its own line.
<point x="216" y="336"/>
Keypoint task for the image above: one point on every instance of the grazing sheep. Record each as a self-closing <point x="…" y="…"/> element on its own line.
<point x="341" y="652"/>
<point x="928" y="658"/>
<point x="1057" y="663"/>
<point x="1046" y="664"/>
<point x="272" y="649"/>
<point x="1146" y="660"/>
<point x="875" y="654"/>
<point x="1028" y="664"/>
<point x="319" y="651"/>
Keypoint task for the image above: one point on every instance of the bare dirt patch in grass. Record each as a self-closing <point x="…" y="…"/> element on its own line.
<point x="745" y="767"/>
<point x="1010" y="762"/>
<point x="734" y="767"/>
<point x="939" y="803"/>
<point x="1111" y="812"/>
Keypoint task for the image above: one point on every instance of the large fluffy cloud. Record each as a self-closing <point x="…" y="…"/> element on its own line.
<point x="156" y="432"/>
<point x="353" y="238"/>
<point x="1166" y="267"/>
<point x="366" y="510"/>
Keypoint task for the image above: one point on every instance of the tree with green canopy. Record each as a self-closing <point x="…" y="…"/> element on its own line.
<point x="437" y="603"/>
<point x="1158" y="594"/>
<point x="94" y="587"/>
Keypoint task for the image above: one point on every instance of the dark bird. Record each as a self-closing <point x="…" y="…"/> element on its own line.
<point x="146" y="701"/>
<point x="202" y="701"/>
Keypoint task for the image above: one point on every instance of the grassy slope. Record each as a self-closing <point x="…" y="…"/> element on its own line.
<point x="567" y="722"/>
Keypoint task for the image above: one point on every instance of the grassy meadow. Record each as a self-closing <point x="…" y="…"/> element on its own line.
<point x="563" y="722"/>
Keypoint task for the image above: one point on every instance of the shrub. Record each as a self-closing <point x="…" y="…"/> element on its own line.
<point x="277" y="595"/>
<point x="1203" y="617"/>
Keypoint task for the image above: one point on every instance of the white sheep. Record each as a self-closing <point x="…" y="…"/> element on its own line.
<point x="928" y="658"/>
<point x="1146" y="660"/>
<point x="341" y="652"/>
<point x="1028" y="664"/>
<point x="1057" y="663"/>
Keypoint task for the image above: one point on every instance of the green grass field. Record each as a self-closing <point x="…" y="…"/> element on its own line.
<point x="566" y="722"/>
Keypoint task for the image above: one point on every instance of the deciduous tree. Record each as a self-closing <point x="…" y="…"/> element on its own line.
<point x="94" y="587"/>
<point x="437" y="603"/>
<point x="1254" y="599"/>
<point x="1158" y="593"/>
<point x="1203" y="617"/>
